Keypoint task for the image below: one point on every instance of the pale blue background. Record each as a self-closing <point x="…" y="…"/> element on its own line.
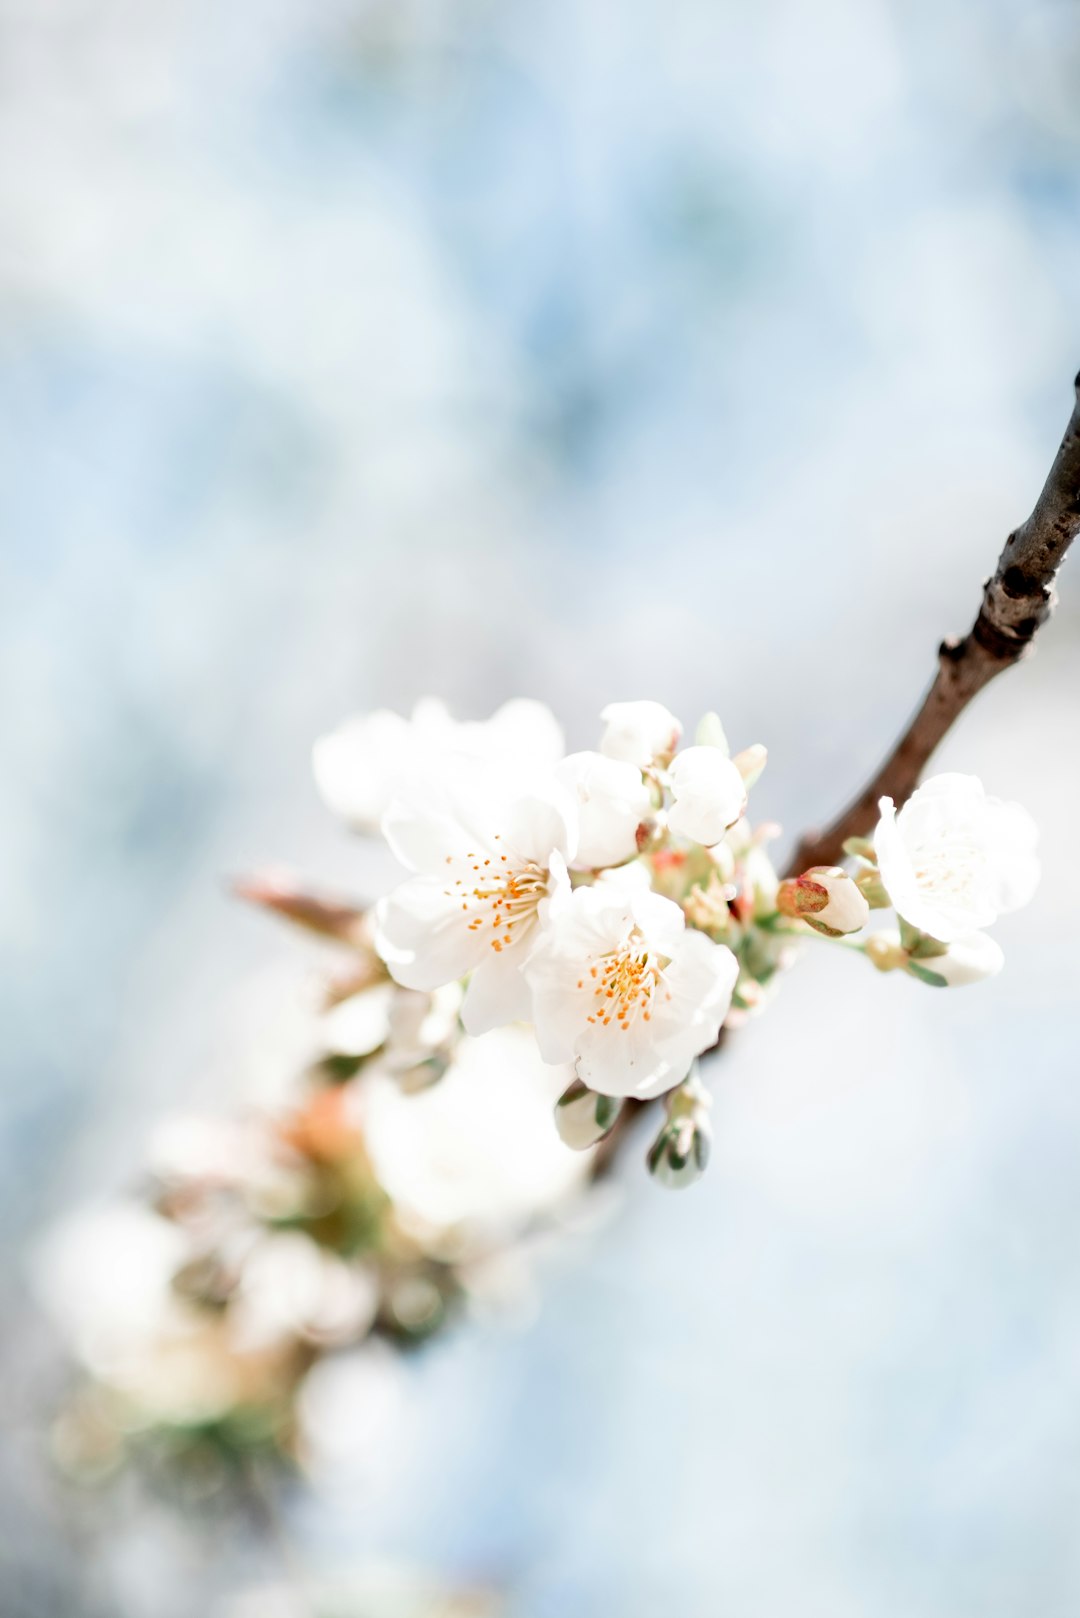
<point x="354" y="350"/>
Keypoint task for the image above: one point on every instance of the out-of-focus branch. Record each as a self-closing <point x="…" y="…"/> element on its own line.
<point x="1017" y="600"/>
<point x="287" y="896"/>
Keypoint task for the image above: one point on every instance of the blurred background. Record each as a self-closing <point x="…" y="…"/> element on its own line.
<point x="357" y="349"/>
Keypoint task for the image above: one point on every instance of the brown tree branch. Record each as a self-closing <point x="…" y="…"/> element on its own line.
<point x="1017" y="600"/>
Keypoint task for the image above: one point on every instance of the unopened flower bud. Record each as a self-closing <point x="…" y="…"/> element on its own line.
<point x="967" y="960"/>
<point x="651" y="833"/>
<point x="826" y="898"/>
<point x="751" y="763"/>
<point x="423" y="1074"/>
<point x="885" y="951"/>
<point x="679" y="1155"/>
<point x="583" y="1117"/>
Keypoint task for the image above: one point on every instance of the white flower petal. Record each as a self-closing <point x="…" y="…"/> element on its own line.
<point x="709" y="794"/>
<point x="537" y="826"/>
<point x="498" y="993"/>
<point x="612" y="801"/>
<point x="423" y="832"/>
<point x="419" y="934"/>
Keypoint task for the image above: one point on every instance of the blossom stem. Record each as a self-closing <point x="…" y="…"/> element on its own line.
<point x="778" y="926"/>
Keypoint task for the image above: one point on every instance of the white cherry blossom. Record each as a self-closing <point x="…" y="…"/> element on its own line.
<point x="486" y="874"/>
<point x="640" y="733"/>
<point x="625" y="991"/>
<point x="708" y="793"/>
<point x="612" y="802"/>
<point x="369" y="760"/>
<point x="954" y="859"/>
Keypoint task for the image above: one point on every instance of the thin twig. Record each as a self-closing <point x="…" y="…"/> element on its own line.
<point x="1017" y="601"/>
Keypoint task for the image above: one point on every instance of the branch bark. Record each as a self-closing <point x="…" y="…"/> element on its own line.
<point x="1017" y="601"/>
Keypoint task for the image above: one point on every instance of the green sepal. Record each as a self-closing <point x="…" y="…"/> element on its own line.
<point x="710" y="733"/>
<point x="860" y="848"/>
<point x="935" y="979"/>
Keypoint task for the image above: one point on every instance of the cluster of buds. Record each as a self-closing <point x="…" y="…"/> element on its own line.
<point x="679" y="1155"/>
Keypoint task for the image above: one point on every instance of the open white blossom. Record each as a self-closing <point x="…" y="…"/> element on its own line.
<point x="486" y="873"/>
<point x="954" y="859"/>
<point x="624" y="990"/>
<point x="368" y="761"/>
<point x="640" y="733"/>
<point x="612" y="801"/>
<point x="708" y="794"/>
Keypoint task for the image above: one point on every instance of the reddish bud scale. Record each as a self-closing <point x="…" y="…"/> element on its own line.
<point x="801" y="896"/>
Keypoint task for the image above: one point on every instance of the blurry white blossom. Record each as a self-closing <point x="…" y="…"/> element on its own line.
<point x="479" y="1147"/>
<point x="349" y="1407"/>
<point x="641" y="733"/>
<point x="368" y="761"/>
<point x="107" y="1278"/>
<point x="290" y="1288"/>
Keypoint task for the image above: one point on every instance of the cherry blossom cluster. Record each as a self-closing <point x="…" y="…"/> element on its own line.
<point x="609" y="899"/>
<point x="622" y="904"/>
<point x="573" y="932"/>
